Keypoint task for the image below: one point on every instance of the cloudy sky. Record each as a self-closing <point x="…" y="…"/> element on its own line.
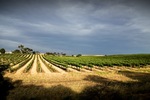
<point x="76" y="26"/>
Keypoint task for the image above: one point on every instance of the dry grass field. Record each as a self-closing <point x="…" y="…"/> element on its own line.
<point x="107" y="83"/>
<point x="35" y="78"/>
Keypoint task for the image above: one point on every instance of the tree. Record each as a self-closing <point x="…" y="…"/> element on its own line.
<point x="78" y="55"/>
<point x="50" y="53"/>
<point x="27" y="50"/>
<point x="63" y="54"/>
<point x="16" y="51"/>
<point x="34" y="52"/>
<point x="21" y="47"/>
<point x="2" y="51"/>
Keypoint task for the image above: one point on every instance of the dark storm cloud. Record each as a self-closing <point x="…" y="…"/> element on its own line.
<point x="76" y="26"/>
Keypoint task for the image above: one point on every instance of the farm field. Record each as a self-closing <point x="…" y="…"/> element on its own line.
<point x="76" y="78"/>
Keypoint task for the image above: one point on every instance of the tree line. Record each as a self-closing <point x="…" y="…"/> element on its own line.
<point x="21" y="49"/>
<point x="26" y="50"/>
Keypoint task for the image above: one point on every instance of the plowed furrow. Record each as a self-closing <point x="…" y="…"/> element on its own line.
<point x="56" y="68"/>
<point x="43" y="66"/>
<point x="21" y="69"/>
<point x="34" y="66"/>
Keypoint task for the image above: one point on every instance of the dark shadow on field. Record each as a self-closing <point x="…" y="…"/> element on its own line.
<point x="60" y="92"/>
<point x="5" y="83"/>
<point x="102" y="91"/>
<point x="105" y="89"/>
<point x="141" y="77"/>
<point x="116" y="90"/>
<point x="32" y="92"/>
<point x="16" y="90"/>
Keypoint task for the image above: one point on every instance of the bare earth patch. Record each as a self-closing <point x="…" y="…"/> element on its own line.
<point x="34" y="66"/>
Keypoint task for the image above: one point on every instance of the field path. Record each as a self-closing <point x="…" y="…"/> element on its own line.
<point x="34" y="66"/>
<point x="43" y="66"/>
<point x="56" y="68"/>
<point x="20" y="71"/>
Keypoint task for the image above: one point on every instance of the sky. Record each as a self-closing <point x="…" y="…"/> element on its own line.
<point x="76" y="26"/>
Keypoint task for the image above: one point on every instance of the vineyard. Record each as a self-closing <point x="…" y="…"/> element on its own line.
<point x="26" y="64"/>
<point x="48" y="64"/>
<point x="75" y="77"/>
<point x="92" y="61"/>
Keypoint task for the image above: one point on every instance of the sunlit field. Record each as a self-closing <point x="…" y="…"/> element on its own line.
<point x="36" y="76"/>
